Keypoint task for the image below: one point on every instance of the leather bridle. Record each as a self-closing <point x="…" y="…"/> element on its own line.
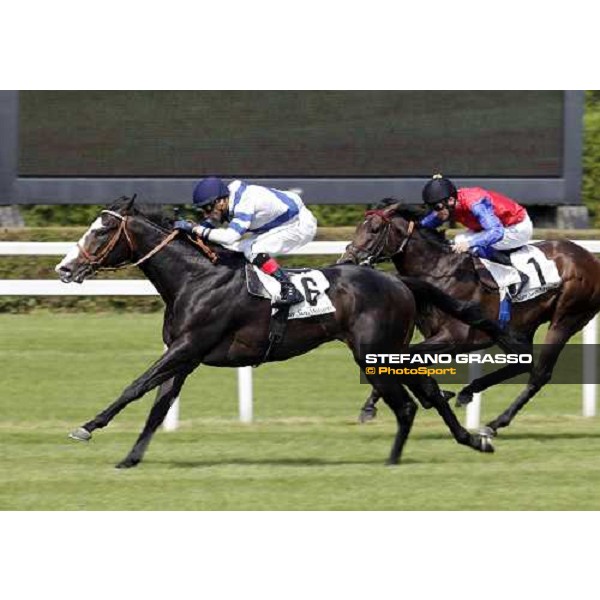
<point x="381" y="241"/>
<point x="96" y="260"/>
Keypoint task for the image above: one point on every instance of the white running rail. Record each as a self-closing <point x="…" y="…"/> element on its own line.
<point x="142" y="287"/>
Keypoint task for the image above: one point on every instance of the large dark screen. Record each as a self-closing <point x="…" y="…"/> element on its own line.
<point x="291" y="134"/>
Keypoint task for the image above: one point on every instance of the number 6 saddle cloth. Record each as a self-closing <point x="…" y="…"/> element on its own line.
<point x="541" y="271"/>
<point x="311" y="283"/>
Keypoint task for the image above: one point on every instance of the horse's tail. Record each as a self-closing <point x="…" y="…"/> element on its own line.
<point x="467" y="312"/>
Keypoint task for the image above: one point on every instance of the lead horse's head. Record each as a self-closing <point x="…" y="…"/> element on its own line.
<point x="381" y="236"/>
<point x="105" y="245"/>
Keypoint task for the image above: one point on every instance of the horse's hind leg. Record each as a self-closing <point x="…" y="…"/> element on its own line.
<point x="440" y="342"/>
<point x="427" y="388"/>
<point x="155" y="418"/>
<point x="556" y="338"/>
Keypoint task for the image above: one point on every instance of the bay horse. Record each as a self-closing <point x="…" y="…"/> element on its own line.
<point x="210" y="318"/>
<point x="391" y="232"/>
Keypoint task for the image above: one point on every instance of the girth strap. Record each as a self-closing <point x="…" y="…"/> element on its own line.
<point x="277" y="328"/>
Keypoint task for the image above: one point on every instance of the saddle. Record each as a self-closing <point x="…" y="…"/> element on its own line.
<point x="486" y="279"/>
<point x="311" y="282"/>
<point x="527" y="265"/>
<point x="313" y="285"/>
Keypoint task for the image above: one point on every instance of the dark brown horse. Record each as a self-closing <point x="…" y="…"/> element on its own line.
<point x="392" y="233"/>
<point x="211" y="319"/>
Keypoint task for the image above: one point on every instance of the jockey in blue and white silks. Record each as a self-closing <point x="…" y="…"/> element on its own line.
<point x="261" y="221"/>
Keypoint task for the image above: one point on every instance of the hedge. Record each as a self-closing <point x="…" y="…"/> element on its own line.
<point x="591" y="157"/>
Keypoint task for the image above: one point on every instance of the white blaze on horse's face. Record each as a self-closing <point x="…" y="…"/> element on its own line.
<point x="64" y="267"/>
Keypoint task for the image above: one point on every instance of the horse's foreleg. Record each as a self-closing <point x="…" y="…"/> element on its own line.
<point x="556" y="338"/>
<point x="540" y="375"/>
<point x="404" y="409"/>
<point x="178" y="359"/>
<point x="486" y="381"/>
<point x="155" y="418"/>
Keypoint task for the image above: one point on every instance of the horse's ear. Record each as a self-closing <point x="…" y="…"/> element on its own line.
<point x="394" y="207"/>
<point x="386" y="203"/>
<point x="129" y="206"/>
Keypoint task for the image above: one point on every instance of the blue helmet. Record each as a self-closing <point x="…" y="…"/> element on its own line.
<point x="208" y="190"/>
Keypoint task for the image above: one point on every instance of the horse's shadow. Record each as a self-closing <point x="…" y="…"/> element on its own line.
<point x="503" y="438"/>
<point x="275" y="462"/>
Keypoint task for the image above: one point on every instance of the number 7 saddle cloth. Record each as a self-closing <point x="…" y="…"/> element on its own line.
<point x="541" y="271"/>
<point x="311" y="283"/>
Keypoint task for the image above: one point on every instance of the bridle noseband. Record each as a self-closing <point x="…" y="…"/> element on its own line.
<point x="382" y="240"/>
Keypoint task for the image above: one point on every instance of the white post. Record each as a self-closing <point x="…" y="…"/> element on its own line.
<point x="473" y="418"/>
<point x="171" y="422"/>
<point x="474" y="412"/>
<point x="590" y="337"/>
<point x="245" y="394"/>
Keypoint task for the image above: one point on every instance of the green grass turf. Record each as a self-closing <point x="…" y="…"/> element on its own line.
<point x="304" y="451"/>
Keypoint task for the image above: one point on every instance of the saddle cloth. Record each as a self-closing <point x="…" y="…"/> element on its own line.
<point x="542" y="272"/>
<point x="311" y="283"/>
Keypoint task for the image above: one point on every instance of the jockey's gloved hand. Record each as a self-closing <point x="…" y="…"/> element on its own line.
<point x="202" y="231"/>
<point x="460" y="246"/>
<point x="186" y="226"/>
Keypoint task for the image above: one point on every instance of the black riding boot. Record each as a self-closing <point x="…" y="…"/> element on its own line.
<point x="289" y="294"/>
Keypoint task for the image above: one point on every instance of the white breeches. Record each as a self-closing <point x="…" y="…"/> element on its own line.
<point x="280" y="240"/>
<point x="515" y="236"/>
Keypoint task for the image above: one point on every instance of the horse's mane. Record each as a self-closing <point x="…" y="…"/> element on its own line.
<point x="158" y="216"/>
<point x="415" y="212"/>
<point x="437" y="237"/>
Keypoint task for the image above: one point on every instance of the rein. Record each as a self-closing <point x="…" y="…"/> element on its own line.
<point x="97" y="259"/>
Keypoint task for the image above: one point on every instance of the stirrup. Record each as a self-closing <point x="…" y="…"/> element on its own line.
<point x="516" y="288"/>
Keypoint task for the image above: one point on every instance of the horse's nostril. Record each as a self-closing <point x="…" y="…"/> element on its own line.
<point x="64" y="273"/>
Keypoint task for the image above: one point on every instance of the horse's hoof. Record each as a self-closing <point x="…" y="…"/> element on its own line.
<point x="391" y="463"/>
<point x="127" y="463"/>
<point x="463" y="399"/>
<point x="367" y="414"/>
<point x="487" y="432"/>
<point x="485" y="444"/>
<point x="81" y="434"/>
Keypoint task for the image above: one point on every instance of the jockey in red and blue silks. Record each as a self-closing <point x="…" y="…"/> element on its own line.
<point x="495" y="222"/>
